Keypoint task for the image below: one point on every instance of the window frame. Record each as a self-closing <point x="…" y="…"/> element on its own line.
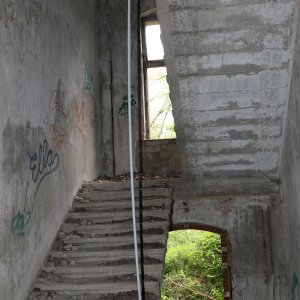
<point x="148" y="64"/>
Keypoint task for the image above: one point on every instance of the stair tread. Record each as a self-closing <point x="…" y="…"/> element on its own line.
<point x="98" y="195"/>
<point x="146" y="200"/>
<point x="122" y="269"/>
<point x="121" y="185"/>
<point x="80" y="215"/>
<point x="112" y="239"/>
<point x="109" y="227"/>
<point x="116" y="253"/>
<point x="102" y="288"/>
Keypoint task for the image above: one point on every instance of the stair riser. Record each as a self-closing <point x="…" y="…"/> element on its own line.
<point x="111" y="239"/>
<point x="111" y="228"/>
<point x="108" y="215"/>
<point x="119" y="203"/>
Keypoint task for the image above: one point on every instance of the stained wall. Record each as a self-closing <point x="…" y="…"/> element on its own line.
<point x="286" y="220"/>
<point x="233" y="71"/>
<point x="48" y="127"/>
<point x="229" y="68"/>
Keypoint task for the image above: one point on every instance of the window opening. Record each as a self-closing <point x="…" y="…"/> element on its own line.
<point x="159" y="121"/>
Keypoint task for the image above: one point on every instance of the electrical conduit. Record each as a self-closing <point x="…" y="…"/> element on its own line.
<point x="131" y="155"/>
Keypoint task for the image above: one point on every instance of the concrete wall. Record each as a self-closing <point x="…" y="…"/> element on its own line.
<point x="287" y="211"/>
<point x="160" y="157"/>
<point x="230" y="65"/>
<point x="247" y="220"/>
<point x="113" y="84"/>
<point x="49" y="103"/>
<point x="229" y="70"/>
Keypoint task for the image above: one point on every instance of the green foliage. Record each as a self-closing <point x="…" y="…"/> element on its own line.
<point x="193" y="268"/>
<point x="162" y="122"/>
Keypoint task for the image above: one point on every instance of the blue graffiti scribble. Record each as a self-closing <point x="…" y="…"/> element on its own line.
<point x="295" y="288"/>
<point x="241" y="286"/>
<point x="123" y="110"/>
<point x="42" y="163"/>
<point x="88" y="82"/>
<point x="20" y="219"/>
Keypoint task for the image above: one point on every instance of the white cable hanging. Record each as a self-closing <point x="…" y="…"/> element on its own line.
<point x="130" y="154"/>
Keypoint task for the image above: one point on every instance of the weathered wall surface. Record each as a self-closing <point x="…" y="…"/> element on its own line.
<point x="113" y="83"/>
<point x="247" y="220"/>
<point x="160" y="157"/>
<point x="48" y="127"/>
<point x="228" y="67"/>
<point x="287" y="211"/>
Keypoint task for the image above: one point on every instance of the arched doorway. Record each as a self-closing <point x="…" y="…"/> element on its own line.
<point x="215" y="243"/>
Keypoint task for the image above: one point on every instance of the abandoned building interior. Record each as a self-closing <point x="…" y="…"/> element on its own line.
<point x="231" y="164"/>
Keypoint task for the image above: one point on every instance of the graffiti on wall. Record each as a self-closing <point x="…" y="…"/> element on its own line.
<point x="15" y="149"/>
<point x="20" y="218"/>
<point x="123" y="110"/>
<point x="59" y="130"/>
<point x="58" y="100"/>
<point x="88" y="82"/>
<point x="242" y="289"/>
<point x="83" y="107"/>
<point x="42" y="163"/>
<point x="66" y="111"/>
<point x="241" y="286"/>
<point x="81" y="117"/>
<point x="295" y="288"/>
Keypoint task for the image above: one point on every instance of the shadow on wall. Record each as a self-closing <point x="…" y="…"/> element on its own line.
<point x="24" y="154"/>
<point x="160" y="157"/>
<point x="295" y="288"/>
<point x="29" y="157"/>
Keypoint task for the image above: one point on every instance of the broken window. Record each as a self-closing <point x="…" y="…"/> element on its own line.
<point x="159" y="121"/>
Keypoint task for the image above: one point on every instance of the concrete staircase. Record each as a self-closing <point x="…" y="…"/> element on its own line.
<point x="93" y="254"/>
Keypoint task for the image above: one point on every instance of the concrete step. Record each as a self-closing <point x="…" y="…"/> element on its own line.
<point x="77" y="295"/>
<point x="111" y="246"/>
<point x="110" y="228"/>
<point x="110" y="261"/>
<point x="113" y="195"/>
<point x="119" y="208"/>
<point x="95" y="277"/>
<point x="124" y="203"/>
<point x="103" y="234"/>
<point x="118" y="214"/>
<point x="112" y="239"/>
<point x="106" y="288"/>
<point x="150" y="270"/>
<point x="147" y="184"/>
<point x="114" y="220"/>
<point x="105" y="254"/>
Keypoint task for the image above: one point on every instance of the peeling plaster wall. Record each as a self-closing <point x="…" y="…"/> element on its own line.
<point x="160" y="157"/>
<point x="49" y="104"/>
<point x="232" y="73"/>
<point x="229" y="70"/>
<point x="113" y="83"/>
<point x="247" y="220"/>
<point x="287" y="211"/>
